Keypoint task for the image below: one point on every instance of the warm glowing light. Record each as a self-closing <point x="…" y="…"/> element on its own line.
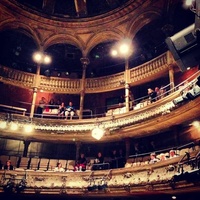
<point x="114" y="53"/>
<point x="13" y="126"/>
<point x="196" y="124"/>
<point x="98" y="133"/>
<point x="188" y="2"/>
<point x="123" y="48"/>
<point x="3" y="124"/>
<point x="47" y="59"/>
<point x="28" y="128"/>
<point x="40" y="57"/>
<point x="37" y="57"/>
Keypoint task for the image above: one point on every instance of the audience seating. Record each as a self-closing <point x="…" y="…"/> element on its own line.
<point x="14" y="160"/>
<point x="70" y="165"/>
<point x="63" y="162"/>
<point x="44" y="164"/>
<point x="34" y="164"/>
<point x="24" y="162"/>
<point x="52" y="164"/>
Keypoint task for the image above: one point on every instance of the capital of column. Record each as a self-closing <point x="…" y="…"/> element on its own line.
<point x="35" y="89"/>
<point x="85" y="61"/>
<point x="126" y="86"/>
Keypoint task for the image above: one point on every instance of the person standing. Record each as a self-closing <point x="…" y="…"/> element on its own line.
<point x="41" y="106"/>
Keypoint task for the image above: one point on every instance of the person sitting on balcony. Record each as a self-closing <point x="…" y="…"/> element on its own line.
<point x="61" y="108"/>
<point x="8" y="165"/>
<point x="172" y="153"/>
<point x="153" y="158"/>
<point x="162" y="157"/>
<point x="98" y="162"/>
<point x="52" y="104"/>
<point x="81" y="163"/>
<point x="158" y="93"/>
<point x="152" y="95"/>
<point x="70" y="110"/>
<point x="59" y="168"/>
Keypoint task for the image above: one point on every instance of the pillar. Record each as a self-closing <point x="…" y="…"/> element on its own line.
<point x="85" y="62"/>
<point x="26" y="145"/>
<point x="36" y="84"/>
<point x="127" y="84"/>
<point x="33" y="102"/>
<point x="127" y="142"/>
<point x="171" y="78"/>
<point x="78" y="146"/>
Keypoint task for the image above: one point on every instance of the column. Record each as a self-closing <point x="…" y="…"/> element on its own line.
<point x="85" y="62"/>
<point x="33" y="102"/>
<point x="127" y="84"/>
<point x="78" y="146"/>
<point x="35" y="88"/>
<point x="127" y="147"/>
<point x="26" y="145"/>
<point x="171" y="78"/>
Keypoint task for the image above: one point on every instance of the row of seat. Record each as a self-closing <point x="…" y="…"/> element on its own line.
<point x="44" y="164"/>
<point x="36" y="163"/>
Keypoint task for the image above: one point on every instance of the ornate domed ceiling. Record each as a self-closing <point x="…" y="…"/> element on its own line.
<point x="72" y="8"/>
<point x="17" y="48"/>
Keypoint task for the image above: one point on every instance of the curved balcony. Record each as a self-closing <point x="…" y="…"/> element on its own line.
<point x="165" y="112"/>
<point x="141" y="74"/>
<point x="170" y="177"/>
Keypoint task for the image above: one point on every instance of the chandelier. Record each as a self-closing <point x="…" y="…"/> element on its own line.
<point x="98" y="133"/>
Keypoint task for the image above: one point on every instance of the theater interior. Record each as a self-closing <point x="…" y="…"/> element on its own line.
<point x="130" y="69"/>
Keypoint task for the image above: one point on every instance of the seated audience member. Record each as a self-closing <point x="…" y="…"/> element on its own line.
<point x="162" y="92"/>
<point x="59" y="168"/>
<point x="61" y="109"/>
<point x="98" y="162"/>
<point x="153" y="158"/>
<point x="152" y="95"/>
<point x="52" y="104"/>
<point x="81" y="163"/>
<point x="162" y="157"/>
<point x="70" y="110"/>
<point x="8" y="165"/>
<point x="172" y="154"/>
<point x="158" y="94"/>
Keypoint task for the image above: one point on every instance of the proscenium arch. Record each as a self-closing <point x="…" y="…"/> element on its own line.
<point x="103" y="36"/>
<point x="145" y="18"/>
<point x="21" y="28"/>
